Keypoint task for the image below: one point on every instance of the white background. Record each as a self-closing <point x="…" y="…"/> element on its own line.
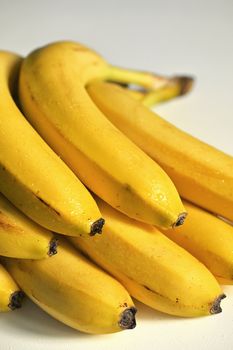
<point x="190" y="37"/>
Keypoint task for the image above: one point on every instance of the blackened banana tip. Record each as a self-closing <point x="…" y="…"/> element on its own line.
<point x="186" y="84"/>
<point x="16" y="299"/>
<point x="53" y="247"/>
<point x="216" y="308"/>
<point x="97" y="226"/>
<point x="180" y="220"/>
<point x="128" y="320"/>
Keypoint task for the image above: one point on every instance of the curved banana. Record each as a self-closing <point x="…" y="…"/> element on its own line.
<point x="32" y="176"/>
<point x="76" y="292"/>
<point x="10" y="294"/>
<point x="54" y="99"/>
<point x="22" y="238"/>
<point x="208" y="238"/>
<point x="153" y="269"/>
<point x="201" y="173"/>
<point x="175" y="87"/>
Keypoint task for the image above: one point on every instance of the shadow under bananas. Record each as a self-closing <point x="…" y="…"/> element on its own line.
<point x="31" y="319"/>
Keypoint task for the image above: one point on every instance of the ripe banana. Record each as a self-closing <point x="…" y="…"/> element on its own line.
<point x="176" y="86"/>
<point x="153" y="269"/>
<point x="32" y="176"/>
<point x="210" y="241"/>
<point x="73" y="290"/>
<point x="201" y="173"/>
<point x="10" y="294"/>
<point x="54" y="99"/>
<point x="22" y="238"/>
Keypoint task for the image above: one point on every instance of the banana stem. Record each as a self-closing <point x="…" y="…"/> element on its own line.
<point x="177" y="86"/>
<point x="146" y="79"/>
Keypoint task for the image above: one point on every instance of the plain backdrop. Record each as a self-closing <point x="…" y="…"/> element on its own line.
<point x="168" y="37"/>
<point x="193" y="37"/>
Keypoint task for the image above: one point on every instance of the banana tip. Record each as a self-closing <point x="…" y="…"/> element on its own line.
<point x="180" y="220"/>
<point x="16" y="300"/>
<point x="53" y="247"/>
<point x="186" y="85"/>
<point x="97" y="226"/>
<point x="184" y="82"/>
<point x="216" y="308"/>
<point x="127" y="320"/>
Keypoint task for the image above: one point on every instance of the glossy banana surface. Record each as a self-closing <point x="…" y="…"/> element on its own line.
<point x="32" y="176"/>
<point x="153" y="269"/>
<point x="201" y="173"/>
<point x="20" y="237"/>
<point x="52" y="91"/>
<point x="75" y="291"/>
<point x="208" y="238"/>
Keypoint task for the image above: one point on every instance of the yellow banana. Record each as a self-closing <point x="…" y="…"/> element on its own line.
<point x="201" y="173"/>
<point x="153" y="269"/>
<point x="32" y="176"/>
<point x="54" y="99"/>
<point x="10" y="294"/>
<point x="176" y="86"/>
<point x="22" y="238"/>
<point x="208" y="238"/>
<point x="149" y="81"/>
<point x="76" y="292"/>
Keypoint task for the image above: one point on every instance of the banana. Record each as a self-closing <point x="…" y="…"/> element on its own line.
<point x="10" y="294"/>
<point x="76" y="292"/>
<point x="153" y="269"/>
<point x="54" y="99"/>
<point x="201" y="173"/>
<point x="32" y="176"/>
<point x="209" y="239"/>
<point x="22" y="238"/>
<point x="224" y="281"/>
<point x="176" y="86"/>
<point x="150" y="81"/>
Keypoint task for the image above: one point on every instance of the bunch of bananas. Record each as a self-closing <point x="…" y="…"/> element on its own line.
<point x="71" y="123"/>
